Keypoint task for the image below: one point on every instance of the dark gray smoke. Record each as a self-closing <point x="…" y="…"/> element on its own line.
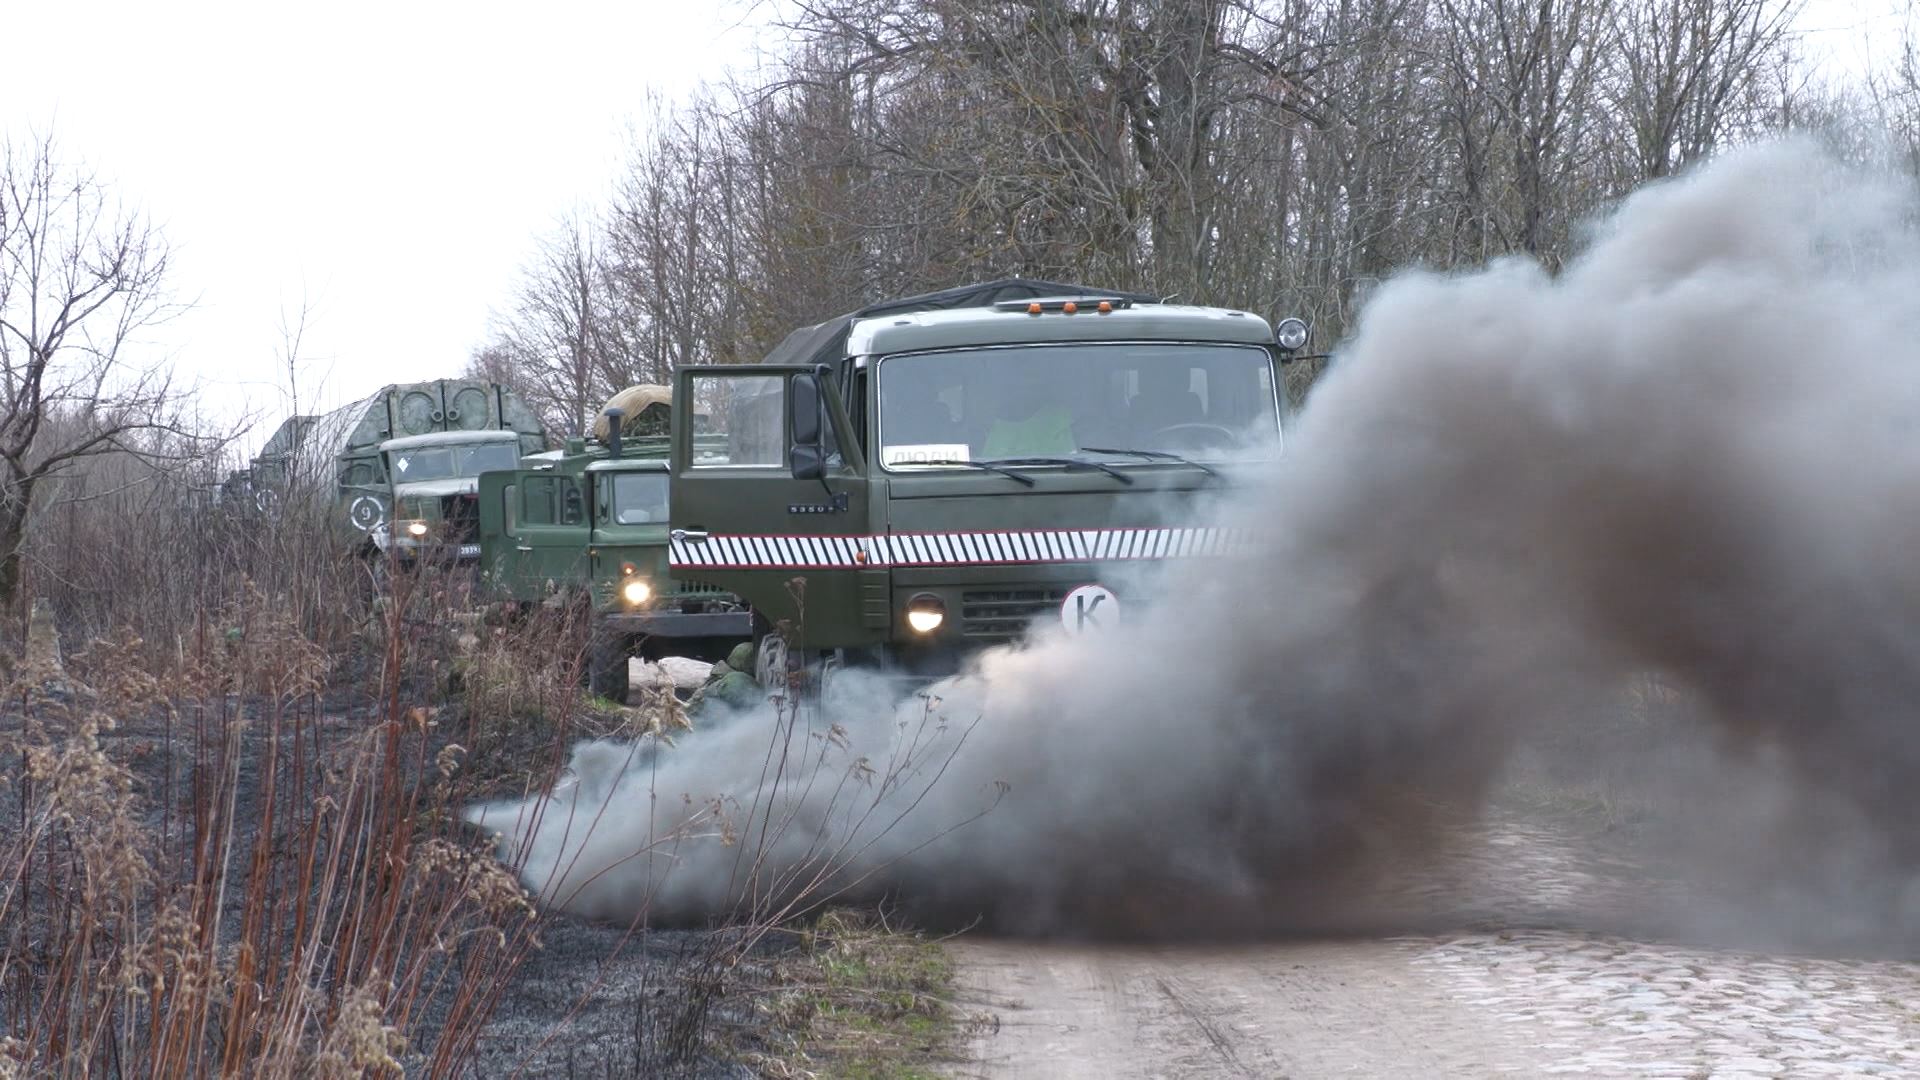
<point x="1693" y="456"/>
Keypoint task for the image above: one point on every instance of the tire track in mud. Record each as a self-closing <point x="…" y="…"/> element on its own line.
<point x="1297" y="1010"/>
<point x="1220" y="1042"/>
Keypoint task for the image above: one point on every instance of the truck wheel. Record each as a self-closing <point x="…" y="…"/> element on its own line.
<point x="607" y="665"/>
<point x="771" y="663"/>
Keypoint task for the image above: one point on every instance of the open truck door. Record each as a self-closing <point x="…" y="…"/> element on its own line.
<point x="770" y="501"/>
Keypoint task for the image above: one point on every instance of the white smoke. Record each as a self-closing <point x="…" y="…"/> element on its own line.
<point x="1694" y="453"/>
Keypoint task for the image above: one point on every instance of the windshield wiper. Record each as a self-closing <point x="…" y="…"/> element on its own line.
<point x="1071" y="465"/>
<point x="1155" y="455"/>
<point x="990" y="466"/>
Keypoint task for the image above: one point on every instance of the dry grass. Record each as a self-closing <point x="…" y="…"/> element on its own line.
<point x="236" y="845"/>
<point x="861" y="998"/>
<point x="249" y="886"/>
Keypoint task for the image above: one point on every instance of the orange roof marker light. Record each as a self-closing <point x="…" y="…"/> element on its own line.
<point x="1065" y="304"/>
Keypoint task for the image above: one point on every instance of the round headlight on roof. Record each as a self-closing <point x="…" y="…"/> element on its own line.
<point x="1291" y="334"/>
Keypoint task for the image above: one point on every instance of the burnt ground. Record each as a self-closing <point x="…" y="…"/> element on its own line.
<point x="603" y="1001"/>
<point x="591" y="1001"/>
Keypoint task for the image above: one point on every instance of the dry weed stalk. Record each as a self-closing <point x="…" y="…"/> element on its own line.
<point x="217" y="869"/>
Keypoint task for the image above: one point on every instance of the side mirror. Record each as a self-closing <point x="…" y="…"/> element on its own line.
<point x="803" y="402"/>
<point x="806" y="462"/>
<point x="805" y="457"/>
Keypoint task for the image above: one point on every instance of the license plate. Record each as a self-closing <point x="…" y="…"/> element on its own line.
<point x="469" y="551"/>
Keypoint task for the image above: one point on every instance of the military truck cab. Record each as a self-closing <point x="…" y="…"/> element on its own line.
<point x="591" y="524"/>
<point x="436" y="490"/>
<point x="414" y="448"/>
<point x="932" y="477"/>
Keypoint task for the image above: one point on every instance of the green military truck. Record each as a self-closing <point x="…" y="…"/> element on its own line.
<point x="399" y="469"/>
<point x="592" y="521"/>
<point x="926" y="476"/>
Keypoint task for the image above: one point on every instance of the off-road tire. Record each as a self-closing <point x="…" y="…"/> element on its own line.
<point x="772" y="663"/>
<point x="607" y="654"/>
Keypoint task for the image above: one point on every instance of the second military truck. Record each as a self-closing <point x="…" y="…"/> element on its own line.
<point x="590" y="523"/>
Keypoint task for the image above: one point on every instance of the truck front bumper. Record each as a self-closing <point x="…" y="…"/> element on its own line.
<point x="681" y="624"/>
<point x="410" y="549"/>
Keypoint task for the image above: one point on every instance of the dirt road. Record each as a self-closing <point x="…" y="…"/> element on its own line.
<point x="1500" y="1001"/>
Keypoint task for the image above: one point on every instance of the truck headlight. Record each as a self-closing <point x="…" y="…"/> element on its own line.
<point x="1291" y="334"/>
<point x="925" y="613"/>
<point x="416" y="529"/>
<point x="636" y="592"/>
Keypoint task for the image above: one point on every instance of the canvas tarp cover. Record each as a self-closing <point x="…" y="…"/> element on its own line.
<point x="825" y="343"/>
<point x="632" y="402"/>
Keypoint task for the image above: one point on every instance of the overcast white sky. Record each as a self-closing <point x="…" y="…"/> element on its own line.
<point x="391" y="164"/>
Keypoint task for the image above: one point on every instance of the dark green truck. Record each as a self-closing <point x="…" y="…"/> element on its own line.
<point x="927" y="476"/>
<point x="589" y="525"/>
<point x="397" y="470"/>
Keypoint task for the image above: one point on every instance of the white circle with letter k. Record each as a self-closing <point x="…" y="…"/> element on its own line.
<point x="1089" y="607"/>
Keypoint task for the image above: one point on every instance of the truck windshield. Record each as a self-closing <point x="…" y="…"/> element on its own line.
<point x="447" y="462"/>
<point x="1203" y="401"/>
<point x="640" y="498"/>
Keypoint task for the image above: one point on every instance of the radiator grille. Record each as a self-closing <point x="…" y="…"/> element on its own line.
<point x="1002" y="614"/>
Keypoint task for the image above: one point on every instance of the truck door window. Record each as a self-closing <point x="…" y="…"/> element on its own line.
<point x="573" y="507"/>
<point x="853" y="382"/>
<point x="510" y="508"/>
<point x="748" y="426"/>
<point x="357" y="474"/>
<point x="538" y="503"/>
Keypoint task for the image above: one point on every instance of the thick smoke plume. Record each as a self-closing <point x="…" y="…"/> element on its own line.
<point x="1693" y="455"/>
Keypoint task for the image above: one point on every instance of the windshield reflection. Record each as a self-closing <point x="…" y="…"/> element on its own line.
<point x="449" y="462"/>
<point x="640" y="498"/>
<point x="1202" y="401"/>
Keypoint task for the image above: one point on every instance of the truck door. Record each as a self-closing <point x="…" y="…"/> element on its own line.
<point x="499" y="557"/>
<point x="365" y="493"/>
<point x="540" y="545"/>
<point x="769" y="500"/>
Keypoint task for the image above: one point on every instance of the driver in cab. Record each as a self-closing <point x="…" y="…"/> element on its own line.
<point x="1164" y="400"/>
<point x="1030" y="421"/>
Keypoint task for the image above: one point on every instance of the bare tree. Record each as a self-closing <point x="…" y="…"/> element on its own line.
<point x="80" y="279"/>
<point x="557" y="345"/>
<point x="1682" y="67"/>
<point x="1103" y="119"/>
<point x="1896" y="103"/>
<point x="1282" y="155"/>
<point x="1529" y="71"/>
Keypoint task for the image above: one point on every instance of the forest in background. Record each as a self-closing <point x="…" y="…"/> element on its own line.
<point x="1281" y="157"/>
